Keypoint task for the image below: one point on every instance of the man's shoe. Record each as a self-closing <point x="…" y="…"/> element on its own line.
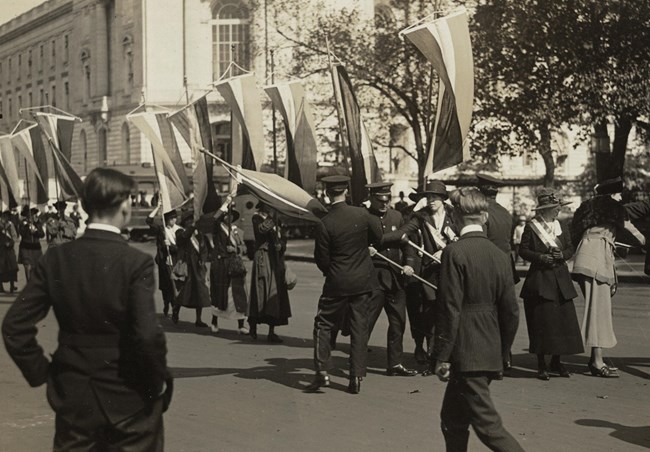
<point x="355" y="385"/>
<point x="200" y="324"/>
<point x="175" y="317"/>
<point x="321" y="380"/>
<point x="401" y="371"/>
<point x="420" y="355"/>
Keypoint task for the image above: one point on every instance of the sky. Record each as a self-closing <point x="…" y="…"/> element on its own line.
<point x="13" y="8"/>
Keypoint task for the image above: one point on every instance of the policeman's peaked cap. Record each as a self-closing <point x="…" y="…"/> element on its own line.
<point x="380" y="190"/>
<point x="336" y="183"/>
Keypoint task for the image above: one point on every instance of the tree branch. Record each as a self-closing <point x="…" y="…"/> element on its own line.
<point x="398" y="146"/>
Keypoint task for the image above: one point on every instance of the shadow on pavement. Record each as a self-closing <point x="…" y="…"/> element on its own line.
<point x="639" y="436"/>
<point x="525" y="365"/>
<point x="283" y="371"/>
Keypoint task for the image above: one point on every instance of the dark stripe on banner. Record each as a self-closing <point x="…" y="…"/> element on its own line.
<point x="40" y="158"/>
<point x="171" y="147"/>
<point x="448" y="150"/>
<point x="212" y="200"/>
<point x="64" y="130"/>
<point x="352" y="115"/>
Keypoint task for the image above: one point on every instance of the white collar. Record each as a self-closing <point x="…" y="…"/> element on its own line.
<point x="104" y="227"/>
<point x="471" y="228"/>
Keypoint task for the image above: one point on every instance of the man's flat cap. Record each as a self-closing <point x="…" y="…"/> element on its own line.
<point x="336" y="182"/>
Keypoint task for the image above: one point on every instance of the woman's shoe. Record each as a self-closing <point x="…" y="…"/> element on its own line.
<point x="214" y="328"/>
<point x="603" y="372"/>
<point x="559" y="368"/>
<point x="243" y="330"/>
<point x="543" y="375"/>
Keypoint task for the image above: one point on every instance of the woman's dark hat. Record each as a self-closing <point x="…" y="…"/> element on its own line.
<point x="189" y="215"/>
<point x="433" y="187"/>
<point x="609" y="186"/>
<point x="546" y="199"/>
<point x="380" y="190"/>
<point x="60" y="205"/>
<point x="170" y="215"/>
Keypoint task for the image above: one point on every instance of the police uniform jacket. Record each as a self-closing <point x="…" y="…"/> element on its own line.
<point x="417" y="229"/>
<point x="341" y="250"/>
<point x="476" y="314"/>
<point x="111" y="349"/>
<point x="499" y="225"/>
<point x="390" y="277"/>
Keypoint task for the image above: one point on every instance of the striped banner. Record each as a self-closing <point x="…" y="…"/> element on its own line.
<point x="242" y="96"/>
<point x="29" y="144"/>
<point x="362" y="158"/>
<point x="173" y="183"/>
<point x="57" y="132"/>
<point x="445" y="42"/>
<point x="193" y="124"/>
<point x="10" y="166"/>
<point x="301" y="164"/>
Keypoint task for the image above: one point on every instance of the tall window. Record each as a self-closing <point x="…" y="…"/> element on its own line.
<point x="11" y="110"/>
<point x="53" y="61"/>
<point x="29" y="63"/>
<point x="66" y="51"/>
<point x="101" y="145"/>
<point x="85" y="65"/>
<point x="126" y="143"/>
<point x="127" y="53"/>
<point x="222" y="143"/>
<point x="31" y="100"/>
<point x="230" y="37"/>
<point x="66" y="91"/>
<point x="41" y="97"/>
<point x="53" y="91"/>
<point x="41" y="55"/>
<point x="84" y="150"/>
<point x="20" y="64"/>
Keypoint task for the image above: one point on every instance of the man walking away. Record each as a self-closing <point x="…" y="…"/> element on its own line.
<point x="106" y="380"/>
<point x="341" y="253"/>
<point x="476" y="321"/>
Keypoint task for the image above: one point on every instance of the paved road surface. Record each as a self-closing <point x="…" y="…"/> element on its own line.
<point x="233" y="394"/>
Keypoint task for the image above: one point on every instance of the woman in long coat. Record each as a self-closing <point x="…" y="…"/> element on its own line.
<point x="193" y="292"/>
<point x="269" y="302"/>
<point x="8" y="263"/>
<point x="596" y="224"/>
<point x="548" y="290"/>
<point x="31" y="232"/>
<point x="228" y="288"/>
<point x="166" y="253"/>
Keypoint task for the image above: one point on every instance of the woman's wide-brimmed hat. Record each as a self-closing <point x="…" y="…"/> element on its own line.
<point x="432" y="187"/>
<point x="546" y="199"/>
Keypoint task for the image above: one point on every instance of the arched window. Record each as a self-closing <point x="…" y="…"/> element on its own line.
<point x="126" y="143"/>
<point x="84" y="150"/>
<point x="102" y="159"/>
<point x="230" y="36"/>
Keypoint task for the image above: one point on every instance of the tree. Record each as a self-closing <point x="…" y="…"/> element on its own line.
<point x="544" y="64"/>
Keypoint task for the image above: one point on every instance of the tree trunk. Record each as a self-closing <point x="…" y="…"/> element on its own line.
<point x="601" y="149"/>
<point x="547" y="155"/>
<point x="622" y="130"/>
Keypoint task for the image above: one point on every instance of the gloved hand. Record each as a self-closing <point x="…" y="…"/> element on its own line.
<point x="546" y="259"/>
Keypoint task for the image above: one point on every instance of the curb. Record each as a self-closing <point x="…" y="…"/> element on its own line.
<point x="521" y="272"/>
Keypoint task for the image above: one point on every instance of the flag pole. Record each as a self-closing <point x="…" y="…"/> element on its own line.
<point x="392" y="262"/>
<point x="337" y="99"/>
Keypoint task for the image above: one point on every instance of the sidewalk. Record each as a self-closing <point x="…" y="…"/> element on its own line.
<point x="629" y="270"/>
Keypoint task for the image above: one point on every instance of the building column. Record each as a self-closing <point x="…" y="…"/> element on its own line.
<point x="101" y="56"/>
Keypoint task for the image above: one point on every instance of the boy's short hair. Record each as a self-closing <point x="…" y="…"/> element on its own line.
<point x="469" y="201"/>
<point x="105" y="189"/>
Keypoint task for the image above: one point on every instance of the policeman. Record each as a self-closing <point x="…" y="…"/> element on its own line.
<point x="60" y="229"/>
<point x="341" y="253"/>
<point x="390" y="296"/>
<point x="499" y="227"/>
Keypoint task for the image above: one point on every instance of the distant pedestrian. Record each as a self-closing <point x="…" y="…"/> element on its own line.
<point x="166" y="253"/>
<point x="108" y="381"/>
<point x="401" y="204"/>
<point x="31" y="232"/>
<point x="476" y="321"/>
<point x="516" y="237"/>
<point x="8" y="262"/>
<point x="548" y="291"/>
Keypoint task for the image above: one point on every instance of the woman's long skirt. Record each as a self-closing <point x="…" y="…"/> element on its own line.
<point x="553" y="327"/>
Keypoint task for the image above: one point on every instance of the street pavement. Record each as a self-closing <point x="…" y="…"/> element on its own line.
<point x="234" y="394"/>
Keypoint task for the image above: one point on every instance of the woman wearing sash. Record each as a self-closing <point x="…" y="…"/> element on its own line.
<point x="227" y="272"/>
<point x="548" y="290"/>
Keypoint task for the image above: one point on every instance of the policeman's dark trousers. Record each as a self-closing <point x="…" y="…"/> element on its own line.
<point x="394" y="303"/>
<point x="328" y="315"/>
<point x="421" y="313"/>
<point x="467" y="402"/>
<point x="140" y="432"/>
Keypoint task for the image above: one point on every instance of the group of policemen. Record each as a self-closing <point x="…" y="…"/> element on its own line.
<point x="399" y="275"/>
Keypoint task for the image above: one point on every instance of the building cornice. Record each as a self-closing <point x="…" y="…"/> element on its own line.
<point x="33" y="24"/>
